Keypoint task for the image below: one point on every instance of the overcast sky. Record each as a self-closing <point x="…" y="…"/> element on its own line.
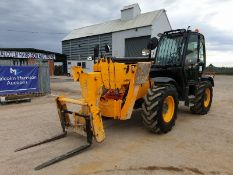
<point x="43" y="24"/>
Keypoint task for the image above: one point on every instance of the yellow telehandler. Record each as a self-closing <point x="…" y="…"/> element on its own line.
<point x="116" y="86"/>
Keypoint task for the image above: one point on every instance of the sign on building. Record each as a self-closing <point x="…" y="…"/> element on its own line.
<point x="18" y="79"/>
<point x="17" y="54"/>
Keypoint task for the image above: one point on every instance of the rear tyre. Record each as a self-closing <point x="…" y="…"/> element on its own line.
<point x="160" y="108"/>
<point x="203" y="99"/>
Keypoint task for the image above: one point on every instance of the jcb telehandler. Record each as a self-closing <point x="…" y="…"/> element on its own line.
<point x="117" y="86"/>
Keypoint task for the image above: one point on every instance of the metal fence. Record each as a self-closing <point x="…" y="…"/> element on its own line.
<point x="43" y="77"/>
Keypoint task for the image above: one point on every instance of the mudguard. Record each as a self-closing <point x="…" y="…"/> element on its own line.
<point x="165" y="80"/>
<point x="208" y="78"/>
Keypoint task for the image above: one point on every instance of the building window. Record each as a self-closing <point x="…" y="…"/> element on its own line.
<point x="79" y="64"/>
<point x="69" y="62"/>
<point x="84" y="65"/>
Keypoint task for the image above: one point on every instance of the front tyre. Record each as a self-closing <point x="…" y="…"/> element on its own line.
<point x="203" y="99"/>
<point x="160" y="108"/>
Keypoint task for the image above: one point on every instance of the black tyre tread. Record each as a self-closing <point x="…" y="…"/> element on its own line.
<point x="151" y="108"/>
<point x="198" y="107"/>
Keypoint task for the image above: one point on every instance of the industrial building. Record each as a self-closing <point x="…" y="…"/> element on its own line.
<point x="56" y="62"/>
<point x="126" y="36"/>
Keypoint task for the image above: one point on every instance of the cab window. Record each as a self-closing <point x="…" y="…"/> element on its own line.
<point x="201" y="50"/>
<point x="192" y="50"/>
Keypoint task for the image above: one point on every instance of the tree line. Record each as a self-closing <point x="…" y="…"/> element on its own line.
<point x="219" y="70"/>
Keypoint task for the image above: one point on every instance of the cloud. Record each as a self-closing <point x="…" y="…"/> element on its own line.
<point x="212" y="17"/>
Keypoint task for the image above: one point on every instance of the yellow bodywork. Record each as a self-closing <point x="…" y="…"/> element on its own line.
<point x="111" y="90"/>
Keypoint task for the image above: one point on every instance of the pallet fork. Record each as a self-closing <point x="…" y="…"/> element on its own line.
<point x="68" y="154"/>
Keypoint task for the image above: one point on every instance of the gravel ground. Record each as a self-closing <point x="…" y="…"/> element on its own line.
<point x="196" y="145"/>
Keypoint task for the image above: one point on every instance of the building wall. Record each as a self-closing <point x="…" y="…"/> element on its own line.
<point x="130" y="13"/>
<point x="51" y="67"/>
<point x="82" y="48"/>
<point x="6" y="61"/>
<point x="127" y="14"/>
<point x="88" y="65"/>
<point x="32" y="61"/>
<point x="118" y="39"/>
<point x="160" y="25"/>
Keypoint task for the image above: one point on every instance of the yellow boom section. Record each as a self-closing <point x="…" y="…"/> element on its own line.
<point x="111" y="90"/>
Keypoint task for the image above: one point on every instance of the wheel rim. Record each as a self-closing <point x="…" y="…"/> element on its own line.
<point x="207" y="97"/>
<point x="168" y="108"/>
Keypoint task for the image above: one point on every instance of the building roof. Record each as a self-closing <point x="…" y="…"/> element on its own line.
<point x="142" y="20"/>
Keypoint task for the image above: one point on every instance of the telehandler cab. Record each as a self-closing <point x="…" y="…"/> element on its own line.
<point x="117" y="86"/>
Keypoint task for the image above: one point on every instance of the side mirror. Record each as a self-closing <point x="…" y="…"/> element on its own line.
<point x="96" y="51"/>
<point x="152" y="44"/>
<point x="107" y="48"/>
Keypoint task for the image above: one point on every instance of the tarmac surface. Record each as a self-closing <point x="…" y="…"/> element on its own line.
<point x="198" y="145"/>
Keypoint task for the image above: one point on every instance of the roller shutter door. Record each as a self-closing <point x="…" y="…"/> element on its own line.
<point x="134" y="46"/>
